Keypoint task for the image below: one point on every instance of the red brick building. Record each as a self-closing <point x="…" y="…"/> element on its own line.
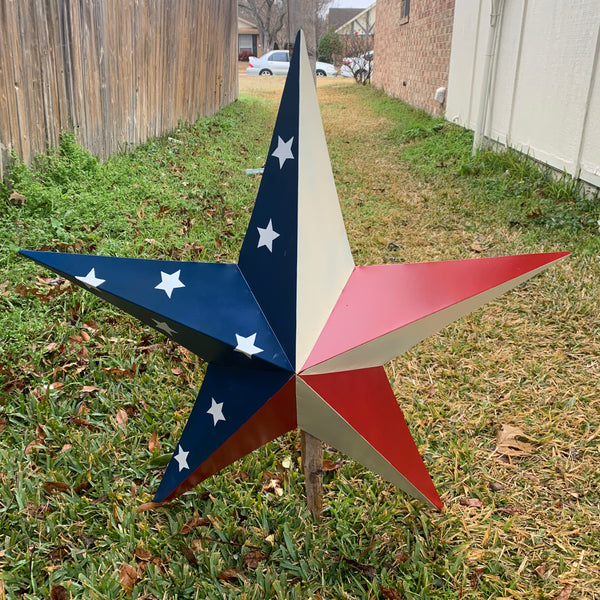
<point x="412" y="50"/>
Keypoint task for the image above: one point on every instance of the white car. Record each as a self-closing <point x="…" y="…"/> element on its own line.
<point x="277" y="62"/>
<point x="359" y="67"/>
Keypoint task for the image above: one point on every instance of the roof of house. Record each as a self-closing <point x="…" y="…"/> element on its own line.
<point x="245" y="26"/>
<point x="338" y="16"/>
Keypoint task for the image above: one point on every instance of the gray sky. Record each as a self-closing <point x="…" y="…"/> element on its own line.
<point x="351" y="3"/>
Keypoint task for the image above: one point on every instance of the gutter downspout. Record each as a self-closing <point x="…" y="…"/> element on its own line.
<point x="488" y="68"/>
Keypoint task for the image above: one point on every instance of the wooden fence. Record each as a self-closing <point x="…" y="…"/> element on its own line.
<point x="116" y="72"/>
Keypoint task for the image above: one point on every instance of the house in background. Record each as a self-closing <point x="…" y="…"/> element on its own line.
<point x="412" y="51"/>
<point x="540" y="92"/>
<point x="523" y="73"/>
<point x="357" y="32"/>
<point x="248" y="38"/>
<point x="336" y="17"/>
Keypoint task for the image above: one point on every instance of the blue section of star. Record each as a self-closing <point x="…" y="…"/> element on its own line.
<point x="270" y="266"/>
<point x="184" y="310"/>
<point x="242" y="392"/>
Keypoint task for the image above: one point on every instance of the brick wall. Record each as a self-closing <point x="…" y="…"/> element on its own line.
<point x="412" y="55"/>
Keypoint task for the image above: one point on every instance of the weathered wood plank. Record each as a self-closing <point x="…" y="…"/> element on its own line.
<point x="114" y="71"/>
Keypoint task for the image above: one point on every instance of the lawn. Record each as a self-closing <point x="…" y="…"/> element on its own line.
<point x="504" y="404"/>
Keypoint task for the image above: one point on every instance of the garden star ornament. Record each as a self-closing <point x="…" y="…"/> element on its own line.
<point x="295" y="334"/>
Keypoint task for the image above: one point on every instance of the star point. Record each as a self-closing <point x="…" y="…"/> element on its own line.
<point x="246" y="345"/>
<point x="266" y="236"/>
<point x="216" y="411"/>
<point x="90" y="279"/>
<point x="169" y="282"/>
<point x="283" y="151"/>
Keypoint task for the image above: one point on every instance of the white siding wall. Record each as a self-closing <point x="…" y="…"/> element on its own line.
<point x="545" y="97"/>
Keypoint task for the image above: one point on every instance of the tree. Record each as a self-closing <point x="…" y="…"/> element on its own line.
<point x="330" y="46"/>
<point x="359" y="49"/>
<point x="269" y="17"/>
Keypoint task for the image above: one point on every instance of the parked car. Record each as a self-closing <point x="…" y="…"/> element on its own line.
<point x="359" y="67"/>
<point x="277" y="62"/>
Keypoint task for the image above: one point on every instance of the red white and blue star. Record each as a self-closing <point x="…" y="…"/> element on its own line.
<point x="295" y="334"/>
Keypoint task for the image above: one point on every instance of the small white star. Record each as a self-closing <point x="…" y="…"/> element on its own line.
<point x="216" y="410"/>
<point x="283" y="150"/>
<point x="169" y="282"/>
<point x="246" y="346"/>
<point x="164" y="327"/>
<point x="267" y="235"/>
<point x="90" y="279"/>
<point x="181" y="458"/>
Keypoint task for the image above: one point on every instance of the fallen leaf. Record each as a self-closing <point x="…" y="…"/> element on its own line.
<point x="65" y="448"/>
<point x="476" y="247"/>
<point x="56" y="486"/>
<point x="390" y="593"/>
<point x="57" y="385"/>
<point x="84" y="486"/>
<point x="507" y="443"/>
<point x="88" y="389"/>
<point x="540" y="570"/>
<point x="231" y="575"/>
<point x="147" y="506"/>
<point x="565" y="593"/>
<point x="58" y="553"/>
<point x="194" y="524"/>
<point x="58" y="592"/>
<point x="32" y="445"/>
<point x="153" y="443"/>
<point x="366" y="570"/>
<point x="122" y="418"/>
<point x="331" y="465"/>
<point x="400" y="559"/>
<point x="83" y="423"/>
<point x="189" y="554"/>
<point x="274" y="486"/>
<point x="128" y="577"/>
<point x="472" y="502"/>
<point x="143" y="554"/>
<point x="17" y="198"/>
<point x="254" y="558"/>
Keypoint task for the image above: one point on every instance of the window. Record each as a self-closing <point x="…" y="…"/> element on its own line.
<point x="279" y="57"/>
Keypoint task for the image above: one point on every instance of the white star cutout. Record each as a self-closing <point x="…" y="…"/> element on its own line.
<point x="164" y="327"/>
<point x="181" y="458"/>
<point x="267" y="235"/>
<point x="169" y="282"/>
<point x="90" y="279"/>
<point x="216" y="410"/>
<point x="283" y="150"/>
<point x="246" y="346"/>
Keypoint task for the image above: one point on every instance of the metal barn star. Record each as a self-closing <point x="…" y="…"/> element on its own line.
<point x="295" y="334"/>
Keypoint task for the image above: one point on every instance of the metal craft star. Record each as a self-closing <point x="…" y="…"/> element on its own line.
<point x="319" y="328"/>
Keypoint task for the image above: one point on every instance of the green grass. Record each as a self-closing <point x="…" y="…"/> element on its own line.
<point x="83" y="387"/>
